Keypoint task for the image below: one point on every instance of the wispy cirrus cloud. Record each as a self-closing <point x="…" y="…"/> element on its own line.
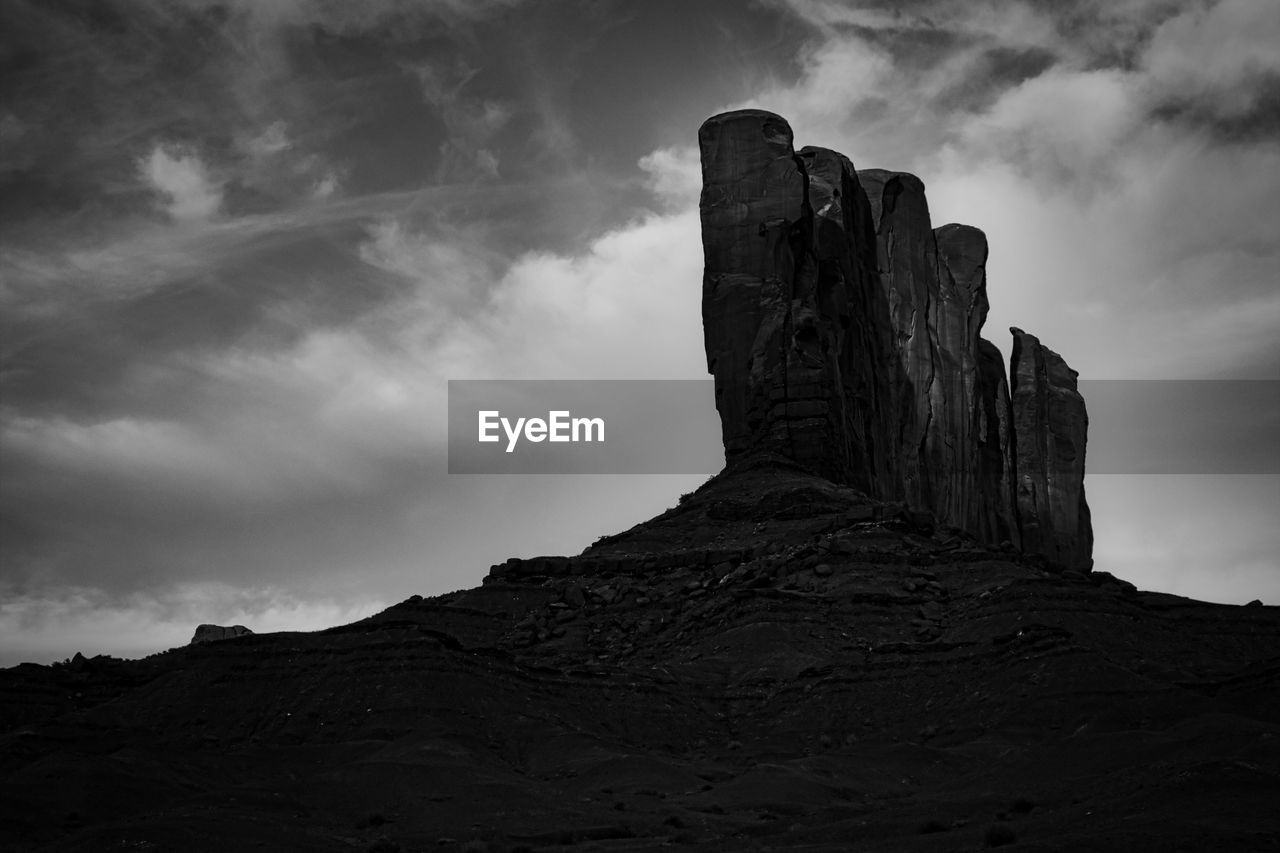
<point x="471" y="122"/>
<point x="189" y="191"/>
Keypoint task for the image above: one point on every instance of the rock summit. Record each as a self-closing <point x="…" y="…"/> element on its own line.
<point x="844" y="333"/>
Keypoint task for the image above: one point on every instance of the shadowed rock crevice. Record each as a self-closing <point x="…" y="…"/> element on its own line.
<point x="843" y="333"/>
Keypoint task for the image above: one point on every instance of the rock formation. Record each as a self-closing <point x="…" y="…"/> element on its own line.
<point x="907" y="267"/>
<point x="843" y="332"/>
<point x="792" y="348"/>
<point x="998" y="521"/>
<point x="1049" y="426"/>
<point x="967" y="445"/>
<point x="210" y="633"/>
<point x="782" y="660"/>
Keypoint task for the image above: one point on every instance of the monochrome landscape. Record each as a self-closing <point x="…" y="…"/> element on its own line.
<point x="929" y="602"/>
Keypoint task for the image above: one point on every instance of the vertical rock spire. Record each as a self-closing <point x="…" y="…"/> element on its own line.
<point x="788" y="302"/>
<point x="997" y="520"/>
<point x="843" y="332"/>
<point x="907" y="265"/>
<point x="753" y="199"/>
<point x="1050" y="426"/>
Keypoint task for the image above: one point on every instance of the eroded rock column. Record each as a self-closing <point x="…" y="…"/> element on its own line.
<point x="850" y="302"/>
<point x="996" y="521"/>
<point x="785" y="301"/>
<point x="907" y="264"/>
<point x="966" y="444"/>
<point x="1050" y="427"/>
<point x="844" y="333"/>
<point x="753" y="199"/>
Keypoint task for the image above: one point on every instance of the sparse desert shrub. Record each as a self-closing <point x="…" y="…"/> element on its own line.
<point x="1000" y="834"/>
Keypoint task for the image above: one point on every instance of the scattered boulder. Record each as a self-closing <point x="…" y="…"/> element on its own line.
<point x="574" y="596"/>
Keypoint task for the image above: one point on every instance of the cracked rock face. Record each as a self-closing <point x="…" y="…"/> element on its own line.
<point x="786" y="302"/>
<point x="1050" y="426"/>
<point x="866" y="395"/>
<point x="997" y="519"/>
<point x="907" y="265"/>
<point x="966" y="451"/>
<point x="753" y="198"/>
<point x="843" y="332"/>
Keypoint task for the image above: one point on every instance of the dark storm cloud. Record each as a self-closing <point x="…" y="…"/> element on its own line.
<point x="1257" y="121"/>
<point x="1209" y="66"/>
<point x="81" y="326"/>
<point x="98" y="89"/>
<point x="192" y="278"/>
<point x="994" y="70"/>
<point x="284" y="130"/>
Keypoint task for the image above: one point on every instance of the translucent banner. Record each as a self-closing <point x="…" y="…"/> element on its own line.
<point x="597" y="426"/>
<point x="608" y="426"/>
<point x="1182" y="426"/>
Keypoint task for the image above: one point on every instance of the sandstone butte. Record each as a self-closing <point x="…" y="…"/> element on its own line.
<point x="875" y="630"/>
<point x="844" y="333"/>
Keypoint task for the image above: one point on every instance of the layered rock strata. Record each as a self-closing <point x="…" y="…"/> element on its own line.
<point x="843" y="332"/>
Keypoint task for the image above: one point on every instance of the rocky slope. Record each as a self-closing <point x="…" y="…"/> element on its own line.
<point x="779" y="662"/>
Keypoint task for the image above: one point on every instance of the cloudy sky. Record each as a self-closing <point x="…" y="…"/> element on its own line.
<point x="245" y="243"/>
